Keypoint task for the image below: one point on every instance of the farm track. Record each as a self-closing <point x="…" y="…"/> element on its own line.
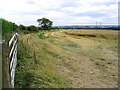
<point x="72" y="58"/>
<point x="79" y="66"/>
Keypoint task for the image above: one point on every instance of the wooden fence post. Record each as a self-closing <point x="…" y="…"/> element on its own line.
<point x="0" y="64"/>
<point x="0" y="54"/>
<point x="5" y="62"/>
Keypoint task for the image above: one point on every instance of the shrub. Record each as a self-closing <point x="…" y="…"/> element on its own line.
<point x="22" y="27"/>
<point x="32" y="28"/>
<point x="26" y="32"/>
<point x="7" y="28"/>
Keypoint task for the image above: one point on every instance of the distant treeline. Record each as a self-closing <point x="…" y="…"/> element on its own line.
<point x="31" y="28"/>
<point x="87" y="27"/>
<point x="28" y="29"/>
<point x="7" y="27"/>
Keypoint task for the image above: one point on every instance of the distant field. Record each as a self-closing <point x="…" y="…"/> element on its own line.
<point x="68" y="59"/>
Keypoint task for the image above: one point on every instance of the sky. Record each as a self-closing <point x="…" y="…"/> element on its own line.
<point x="61" y="12"/>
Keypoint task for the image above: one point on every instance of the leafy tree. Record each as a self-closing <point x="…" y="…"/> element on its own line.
<point x="22" y="27"/>
<point x="45" y="23"/>
<point x="15" y="27"/>
<point x="32" y="28"/>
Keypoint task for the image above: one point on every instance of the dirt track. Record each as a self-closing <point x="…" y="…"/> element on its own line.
<point x="72" y="58"/>
<point x="86" y="62"/>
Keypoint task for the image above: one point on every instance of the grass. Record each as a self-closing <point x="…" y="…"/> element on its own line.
<point x="36" y="68"/>
<point x="42" y="36"/>
<point x="58" y="59"/>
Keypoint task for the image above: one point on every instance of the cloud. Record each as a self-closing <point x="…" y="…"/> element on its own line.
<point x="61" y="12"/>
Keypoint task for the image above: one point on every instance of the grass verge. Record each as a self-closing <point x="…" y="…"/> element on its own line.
<point x="36" y="67"/>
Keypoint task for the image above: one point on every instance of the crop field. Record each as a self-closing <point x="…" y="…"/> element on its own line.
<point x="68" y="59"/>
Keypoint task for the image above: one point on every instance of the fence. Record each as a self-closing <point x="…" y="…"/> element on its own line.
<point x="13" y="57"/>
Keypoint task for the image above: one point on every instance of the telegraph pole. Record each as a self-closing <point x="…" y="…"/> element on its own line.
<point x="96" y="24"/>
<point x="100" y="24"/>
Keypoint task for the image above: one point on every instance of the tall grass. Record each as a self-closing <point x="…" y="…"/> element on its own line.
<point x="35" y="67"/>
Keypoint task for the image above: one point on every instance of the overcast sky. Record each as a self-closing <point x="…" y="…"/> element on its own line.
<point x="61" y="12"/>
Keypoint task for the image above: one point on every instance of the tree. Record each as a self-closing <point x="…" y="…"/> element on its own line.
<point x="15" y="27"/>
<point x="22" y="27"/>
<point x="45" y="23"/>
<point x="32" y="28"/>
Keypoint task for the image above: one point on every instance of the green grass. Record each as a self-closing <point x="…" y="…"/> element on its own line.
<point x="36" y="66"/>
<point x="42" y="36"/>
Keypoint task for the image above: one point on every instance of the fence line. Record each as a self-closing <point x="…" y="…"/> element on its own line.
<point x="13" y="57"/>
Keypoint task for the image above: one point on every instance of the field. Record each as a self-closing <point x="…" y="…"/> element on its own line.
<point x="68" y="59"/>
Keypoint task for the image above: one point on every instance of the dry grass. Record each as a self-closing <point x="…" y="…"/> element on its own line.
<point x="72" y="58"/>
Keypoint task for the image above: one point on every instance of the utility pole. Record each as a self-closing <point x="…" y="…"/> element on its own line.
<point x="119" y="14"/>
<point x="100" y="24"/>
<point x="96" y="24"/>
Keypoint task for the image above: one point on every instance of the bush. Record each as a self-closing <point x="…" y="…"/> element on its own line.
<point x="22" y="27"/>
<point x="32" y="28"/>
<point x="7" y="28"/>
<point x="39" y="28"/>
<point x="26" y="32"/>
